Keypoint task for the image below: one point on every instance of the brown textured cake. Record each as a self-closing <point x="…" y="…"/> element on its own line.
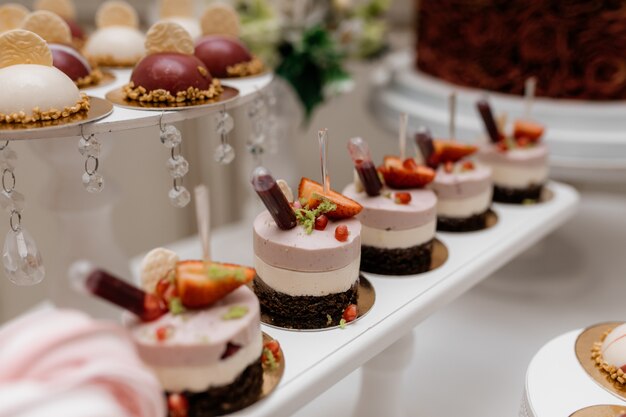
<point x="575" y="48"/>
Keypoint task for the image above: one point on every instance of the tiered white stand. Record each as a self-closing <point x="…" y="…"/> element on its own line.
<point x="381" y="341"/>
<point x="557" y="385"/>
<point x="84" y="218"/>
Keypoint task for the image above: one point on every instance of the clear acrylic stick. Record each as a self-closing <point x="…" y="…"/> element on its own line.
<point x="322" y="136"/>
<point x="203" y="217"/>
<point x="529" y="95"/>
<point x="404" y="120"/>
<point x="452" y="115"/>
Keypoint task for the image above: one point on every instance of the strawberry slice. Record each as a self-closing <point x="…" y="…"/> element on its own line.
<point x="451" y="151"/>
<point x="531" y="130"/>
<point x="402" y="174"/>
<point x="200" y="285"/>
<point x="311" y="191"/>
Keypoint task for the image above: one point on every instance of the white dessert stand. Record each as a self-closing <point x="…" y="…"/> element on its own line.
<point x="557" y="385"/>
<point x="587" y="140"/>
<point x="86" y="218"/>
<point x="382" y="340"/>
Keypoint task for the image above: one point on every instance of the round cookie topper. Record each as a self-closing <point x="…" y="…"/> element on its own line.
<point x="49" y="26"/>
<point x="116" y="13"/>
<point x="23" y="47"/>
<point x="11" y="16"/>
<point x="220" y="19"/>
<point x="176" y="8"/>
<point x="168" y="37"/>
<point x="64" y="8"/>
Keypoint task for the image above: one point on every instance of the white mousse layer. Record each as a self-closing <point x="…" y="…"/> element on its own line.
<point x="201" y="378"/>
<point x="25" y="87"/>
<point x="393" y="239"/>
<point x="296" y="283"/>
<point x="116" y="42"/>
<point x="463" y="207"/>
<point x="614" y="347"/>
<point x="519" y="176"/>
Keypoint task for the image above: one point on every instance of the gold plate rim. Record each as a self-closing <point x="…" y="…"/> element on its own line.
<point x="365" y="302"/>
<point x="107" y="78"/>
<point x="116" y="96"/>
<point x="272" y="377"/>
<point x="583" y="346"/>
<point x="99" y="109"/>
<point x="601" y="410"/>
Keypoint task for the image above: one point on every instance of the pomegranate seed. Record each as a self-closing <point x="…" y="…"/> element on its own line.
<point x="177" y="405"/>
<point x="321" y="222"/>
<point x="274" y="347"/>
<point x="341" y="233"/>
<point x="449" y="167"/>
<point x="410" y="164"/>
<point x="163" y="333"/>
<point x="402" y="198"/>
<point x="350" y="313"/>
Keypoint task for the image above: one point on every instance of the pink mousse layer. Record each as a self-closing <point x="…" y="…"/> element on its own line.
<point x="462" y="184"/>
<point x="521" y="157"/>
<point x="383" y="213"/>
<point x="199" y="337"/>
<point x="295" y="250"/>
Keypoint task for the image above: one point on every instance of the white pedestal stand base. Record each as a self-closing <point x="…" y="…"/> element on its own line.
<point x="382" y="381"/>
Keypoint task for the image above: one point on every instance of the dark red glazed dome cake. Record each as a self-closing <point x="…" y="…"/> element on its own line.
<point x="575" y="48"/>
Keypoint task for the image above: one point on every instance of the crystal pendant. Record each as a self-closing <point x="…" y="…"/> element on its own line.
<point x="8" y="158"/>
<point x="93" y="183"/>
<point x="22" y="260"/>
<point x="179" y="196"/>
<point x="12" y="201"/>
<point x="224" y="154"/>
<point x="89" y="147"/>
<point x="177" y="166"/>
<point x="256" y="139"/>
<point x="170" y="136"/>
<point x="225" y="123"/>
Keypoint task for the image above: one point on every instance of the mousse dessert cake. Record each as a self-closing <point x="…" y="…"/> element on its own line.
<point x="117" y="42"/>
<point x="610" y="354"/>
<point x="196" y="325"/>
<point x="33" y="90"/>
<point x="463" y="187"/>
<point x="519" y="160"/>
<point x="399" y="216"/>
<point x="67" y="10"/>
<point x="170" y="73"/>
<point x="63" y="363"/>
<point x="56" y="32"/>
<point x="307" y="254"/>
<point x="220" y="48"/>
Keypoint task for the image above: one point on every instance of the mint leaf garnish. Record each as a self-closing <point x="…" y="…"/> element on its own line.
<point x="235" y="312"/>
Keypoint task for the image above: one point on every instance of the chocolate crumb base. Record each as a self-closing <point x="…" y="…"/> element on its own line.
<point x="462" y="224"/>
<point x="517" y="195"/>
<point x="305" y="311"/>
<point x="218" y="401"/>
<point x="401" y="261"/>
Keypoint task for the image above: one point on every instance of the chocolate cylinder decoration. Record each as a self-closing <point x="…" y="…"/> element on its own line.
<point x="424" y="142"/>
<point x="360" y="154"/>
<point x="490" y="124"/>
<point x="273" y="198"/>
<point x="147" y="307"/>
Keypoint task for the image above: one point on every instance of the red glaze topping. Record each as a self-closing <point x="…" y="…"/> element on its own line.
<point x="77" y="31"/>
<point x="69" y="61"/>
<point x="221" y="52"/>
<point x="171" y="71"/>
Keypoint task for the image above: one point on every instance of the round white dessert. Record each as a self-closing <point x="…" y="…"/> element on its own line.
<point x="614" y="347"/>
<point x="121" y="44"/>
<point x="27" y="86"/>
